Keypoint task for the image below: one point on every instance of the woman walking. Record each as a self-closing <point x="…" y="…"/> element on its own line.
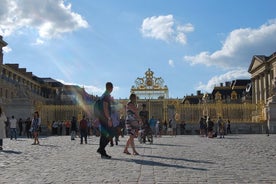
<point x="133" y="121"/>
<point x="3" y="119"/>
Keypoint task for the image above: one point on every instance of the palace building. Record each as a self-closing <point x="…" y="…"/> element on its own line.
<point x="237" y="91"/>
<point x="249" y="103"/>
<point x="21" y="92"/>
<point x="263" y="77"/>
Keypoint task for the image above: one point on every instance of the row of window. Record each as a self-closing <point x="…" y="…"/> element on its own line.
<point x="14" y="78"/>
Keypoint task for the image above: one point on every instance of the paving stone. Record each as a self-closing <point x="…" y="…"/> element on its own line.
<point x="248" y="158"/>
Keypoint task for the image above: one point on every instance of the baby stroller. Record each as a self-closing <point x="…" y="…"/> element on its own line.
<point x="145" y="134"/>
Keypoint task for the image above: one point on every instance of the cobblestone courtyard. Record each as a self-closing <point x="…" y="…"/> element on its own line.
<point x="180" y="159"/>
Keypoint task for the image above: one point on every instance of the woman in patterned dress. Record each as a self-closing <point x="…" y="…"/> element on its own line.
<point x="133" y="122"/>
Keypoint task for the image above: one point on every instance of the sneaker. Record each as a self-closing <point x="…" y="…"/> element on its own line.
<point x="105" y="156"/>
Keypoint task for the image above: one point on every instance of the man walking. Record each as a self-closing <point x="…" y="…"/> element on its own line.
<point x="105" y="121"/>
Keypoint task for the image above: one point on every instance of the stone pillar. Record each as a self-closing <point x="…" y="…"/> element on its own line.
<point x="253" y="88"/>
<point x="262" y="87"/>
<point x="2" y="44"/>
<point x="271" y="110"/>
<point x="257" y="87"/>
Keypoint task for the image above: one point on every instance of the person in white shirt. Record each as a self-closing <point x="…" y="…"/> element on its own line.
<point x="157" y="126"/>
<point x="13" y="133"/>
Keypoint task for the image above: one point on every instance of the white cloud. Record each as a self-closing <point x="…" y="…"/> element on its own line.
<point x="50" y="18"/>
<point x="7" y="49"/>
<point x="164" y="28"/>
<point x="94" y="90"/>
<point x="186" y="28"/>
<point x="90" y="89"/>
<point x="239" y="47"/>
<point x="229" y="76"/>
<point x="171" y="63"/>
<point x="39" y="42"/>
<point x="181" y="37"/>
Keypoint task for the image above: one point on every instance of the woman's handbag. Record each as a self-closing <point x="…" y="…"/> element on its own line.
<point x="132" y="121"/>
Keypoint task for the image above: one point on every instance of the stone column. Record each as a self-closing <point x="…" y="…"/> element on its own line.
<point x="254" y="93"/>
<point x="257" y="89"/>
<point x="271" y="110"/>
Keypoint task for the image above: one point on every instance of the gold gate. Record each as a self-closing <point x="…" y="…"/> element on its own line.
<point x="163" y="110"/>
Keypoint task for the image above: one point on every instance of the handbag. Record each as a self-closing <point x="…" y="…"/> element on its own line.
<point x="132" y="121"/>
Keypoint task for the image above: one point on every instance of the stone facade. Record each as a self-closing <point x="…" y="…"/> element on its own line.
<point x="236" y="91"/>
<point x="22" y="93"/>
<point x="263" y="73"/>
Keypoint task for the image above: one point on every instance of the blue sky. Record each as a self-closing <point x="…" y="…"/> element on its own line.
<point x="192" y="44"/>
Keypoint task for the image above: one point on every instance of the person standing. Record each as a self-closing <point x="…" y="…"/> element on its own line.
<point x="35" y="127"/>
<point x="210" y="127"/>
<point x="157" y="128"/>
<point x="83" y="130"/>
<point x="133" y="123"/>
<point x="152" y="123"/>
<point x="28" y="123"/>
<point x="67" y="127"/>
<point x="122" y="126"/>
<point x="144" y="115"/>
<point x="221" y="127"/>
<point x="228" y="127"/>
<point x="73" y="128"/>
<point x="20" y="125"/>
<point x="105" y="121"/>
<point x="202" y="127"/>
<point x="182" y="127"/>
<point x="115" y="123"/>
<point x="165" y="128"/>
<point x="13" y="132"/>
<point x="3" y="119"/>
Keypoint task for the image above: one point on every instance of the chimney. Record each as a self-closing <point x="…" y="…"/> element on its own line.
<point x="198" y="92"/>
<point x="228" y="84"/>
<point x="2" y="44"/>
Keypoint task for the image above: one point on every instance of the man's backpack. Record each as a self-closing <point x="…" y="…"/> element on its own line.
<point x="98" y="108"/>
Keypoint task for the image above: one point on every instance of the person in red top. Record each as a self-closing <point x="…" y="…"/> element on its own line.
<point x="83" y="130"/>
<point x="67" y="127"/>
